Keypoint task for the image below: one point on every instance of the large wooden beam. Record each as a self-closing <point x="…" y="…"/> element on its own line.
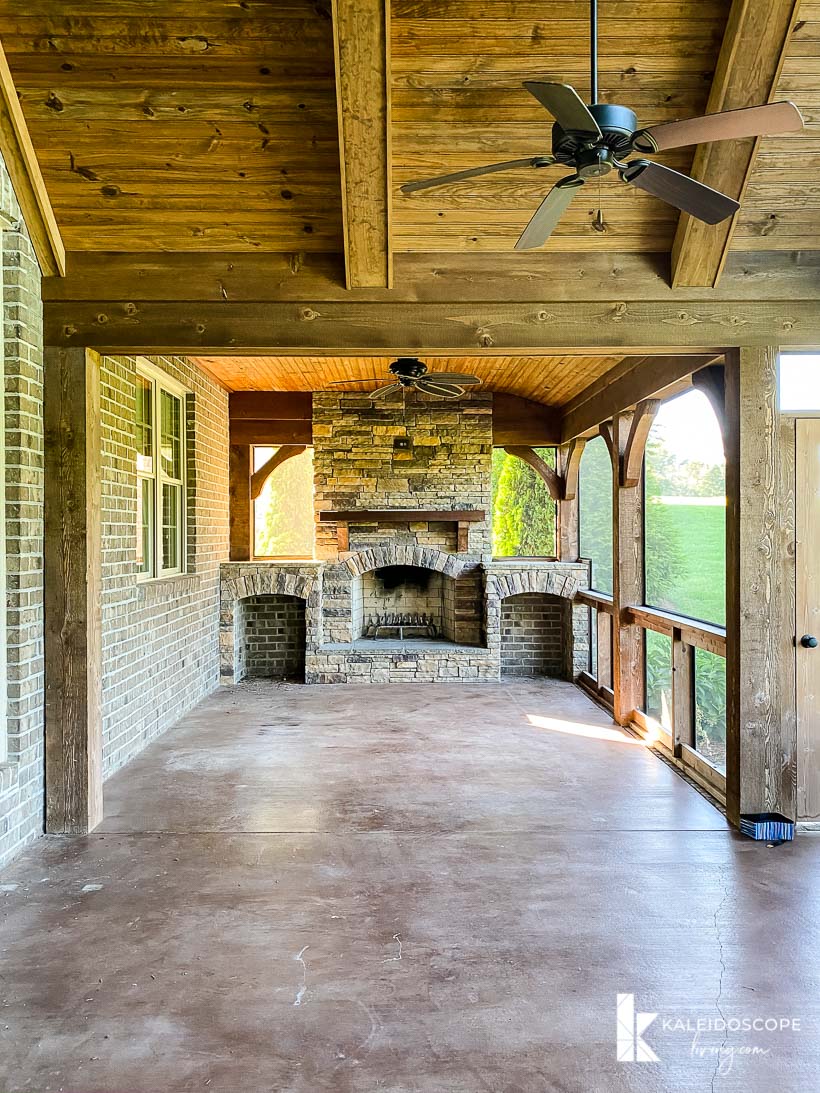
<point x="629" y="382"/>
<point x="73" y="586"/>
<point x="754" y="46"/>
<point x="27" y="179"/>
<point x="271" y="417"/>
<point x="761" y="719"/>
<point x="361" y="36"/>
<point x="520" y="421"/>
<point x="648" y="327"/>
<point x="105" y="278"/>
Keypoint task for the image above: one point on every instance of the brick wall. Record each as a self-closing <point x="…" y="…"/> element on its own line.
<point x="531" y="635"/>
<point x="160" y="637"/>
<point x="274" y="636"/>
<point x="21" y="777"/>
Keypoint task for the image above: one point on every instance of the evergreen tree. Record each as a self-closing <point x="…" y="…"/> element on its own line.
<point x="523" y="511"/>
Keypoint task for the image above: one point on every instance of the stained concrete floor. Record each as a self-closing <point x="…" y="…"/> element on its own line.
<point x="405" y="888"/>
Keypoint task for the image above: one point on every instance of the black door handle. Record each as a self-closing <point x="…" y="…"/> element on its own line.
<point x="808" y="641"/>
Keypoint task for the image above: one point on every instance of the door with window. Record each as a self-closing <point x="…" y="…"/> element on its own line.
<point x="808" y="618"/>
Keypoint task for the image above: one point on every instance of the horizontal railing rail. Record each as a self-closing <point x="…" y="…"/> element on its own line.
<point x="702" y="635"/>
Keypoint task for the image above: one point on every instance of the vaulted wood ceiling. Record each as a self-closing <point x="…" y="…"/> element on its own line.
<point x="210" y="125"/>
<point x="553" y="381"/>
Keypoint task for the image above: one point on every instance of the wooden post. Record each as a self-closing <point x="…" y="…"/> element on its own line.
<point x="761" y="718"/>
<point x="683" y="693"/>
<point x="566" y="538"/>
<point x="627" y="546"/>
<point x="241" y="523"/>
<point x="73" y="583"/>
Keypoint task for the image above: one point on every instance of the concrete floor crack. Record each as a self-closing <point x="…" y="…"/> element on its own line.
<point x="719" y="998"/>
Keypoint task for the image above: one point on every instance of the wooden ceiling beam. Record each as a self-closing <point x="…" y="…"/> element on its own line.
<point x="27" y="179"/>
<point x="625" y="386"/>
<point x="361" y="38"/>
<point x="242" y="277"/>
<point x="362" y="328"/>
<point x="751" y="57"/>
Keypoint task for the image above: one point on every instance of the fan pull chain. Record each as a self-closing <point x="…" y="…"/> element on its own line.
<point x="598" y="223"/>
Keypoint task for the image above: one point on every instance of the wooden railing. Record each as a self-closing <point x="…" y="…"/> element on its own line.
<point x="700" y="635"/>
<point x="685" y="635"/>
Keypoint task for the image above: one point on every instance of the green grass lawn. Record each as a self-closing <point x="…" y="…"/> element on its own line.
<point x="696" y="586"/>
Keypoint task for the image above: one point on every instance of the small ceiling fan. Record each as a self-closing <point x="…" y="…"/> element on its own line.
<point x="411" y="372"/>
<point x="596" y="139"/>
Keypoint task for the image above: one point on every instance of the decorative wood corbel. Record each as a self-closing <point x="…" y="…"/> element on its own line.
<point x="551" y="477"/>
<point x="571" y="464"/>
<point x="632" y="458"/>
<point x="712" y="381"/>
<point x="260" y="477"/>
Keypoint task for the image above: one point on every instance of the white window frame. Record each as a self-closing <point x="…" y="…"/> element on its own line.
<point x="160" y="381"/>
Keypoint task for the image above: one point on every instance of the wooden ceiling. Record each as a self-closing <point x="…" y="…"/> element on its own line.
<point x="184" y="127"/>
<point x="458" y="102"/>
<point x="553" y="381"/>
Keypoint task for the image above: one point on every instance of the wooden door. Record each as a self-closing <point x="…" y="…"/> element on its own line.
<point x="808" y="618"/>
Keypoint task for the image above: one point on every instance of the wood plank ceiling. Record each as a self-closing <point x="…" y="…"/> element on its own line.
<point x="182" y="125"/>
<point x="553" y="381"/>
<point x="210" y="125"/>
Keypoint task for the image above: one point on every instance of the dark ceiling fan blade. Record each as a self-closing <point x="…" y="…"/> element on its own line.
<point x="681" y="191"/>
<point x="473" y="172"/>
<point x="454" y="377"/>
<point x="383" y="392"/>
<point x="442" y="390"/>
<point x="566" y="106"/>
<point x="547" y="215"/>
<point x="752" y="121"/>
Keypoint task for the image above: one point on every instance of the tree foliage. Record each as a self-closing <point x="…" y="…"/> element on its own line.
<point x="523" y="511"/>
<point x="283" y="513"/>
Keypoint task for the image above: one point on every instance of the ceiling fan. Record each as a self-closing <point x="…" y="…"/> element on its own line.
<point x="411" y="372"/>
<point x="596" y="139"/>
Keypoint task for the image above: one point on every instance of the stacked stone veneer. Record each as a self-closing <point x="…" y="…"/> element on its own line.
<point x="21" y="774"/>
<point x="331" y="661"/>
<point x="447" y="465"/>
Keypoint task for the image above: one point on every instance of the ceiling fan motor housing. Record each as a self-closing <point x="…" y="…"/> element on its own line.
<point x="617" y="124"/>
<point x="408" y="368"/>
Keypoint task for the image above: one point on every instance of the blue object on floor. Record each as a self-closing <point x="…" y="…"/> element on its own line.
<point x="769" y="826"/>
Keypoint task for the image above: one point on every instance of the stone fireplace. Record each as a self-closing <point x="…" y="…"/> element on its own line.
<point x="404" y="602"/>
<point x="405" y="586"/>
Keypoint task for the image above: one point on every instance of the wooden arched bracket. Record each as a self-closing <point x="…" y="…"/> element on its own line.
<point x="632" y="458"/>
<point x="712" y="381"/>
<point x="570" y="465"/>
<point x="605" y="432"/>
<point x="552" y="479"/>
<point x="260" y="477"/>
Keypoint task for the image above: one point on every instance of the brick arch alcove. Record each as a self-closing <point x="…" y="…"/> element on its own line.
<point x="533" y="633"/>
<point x="245" y="596"/>
<point x="271" y="638"/>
